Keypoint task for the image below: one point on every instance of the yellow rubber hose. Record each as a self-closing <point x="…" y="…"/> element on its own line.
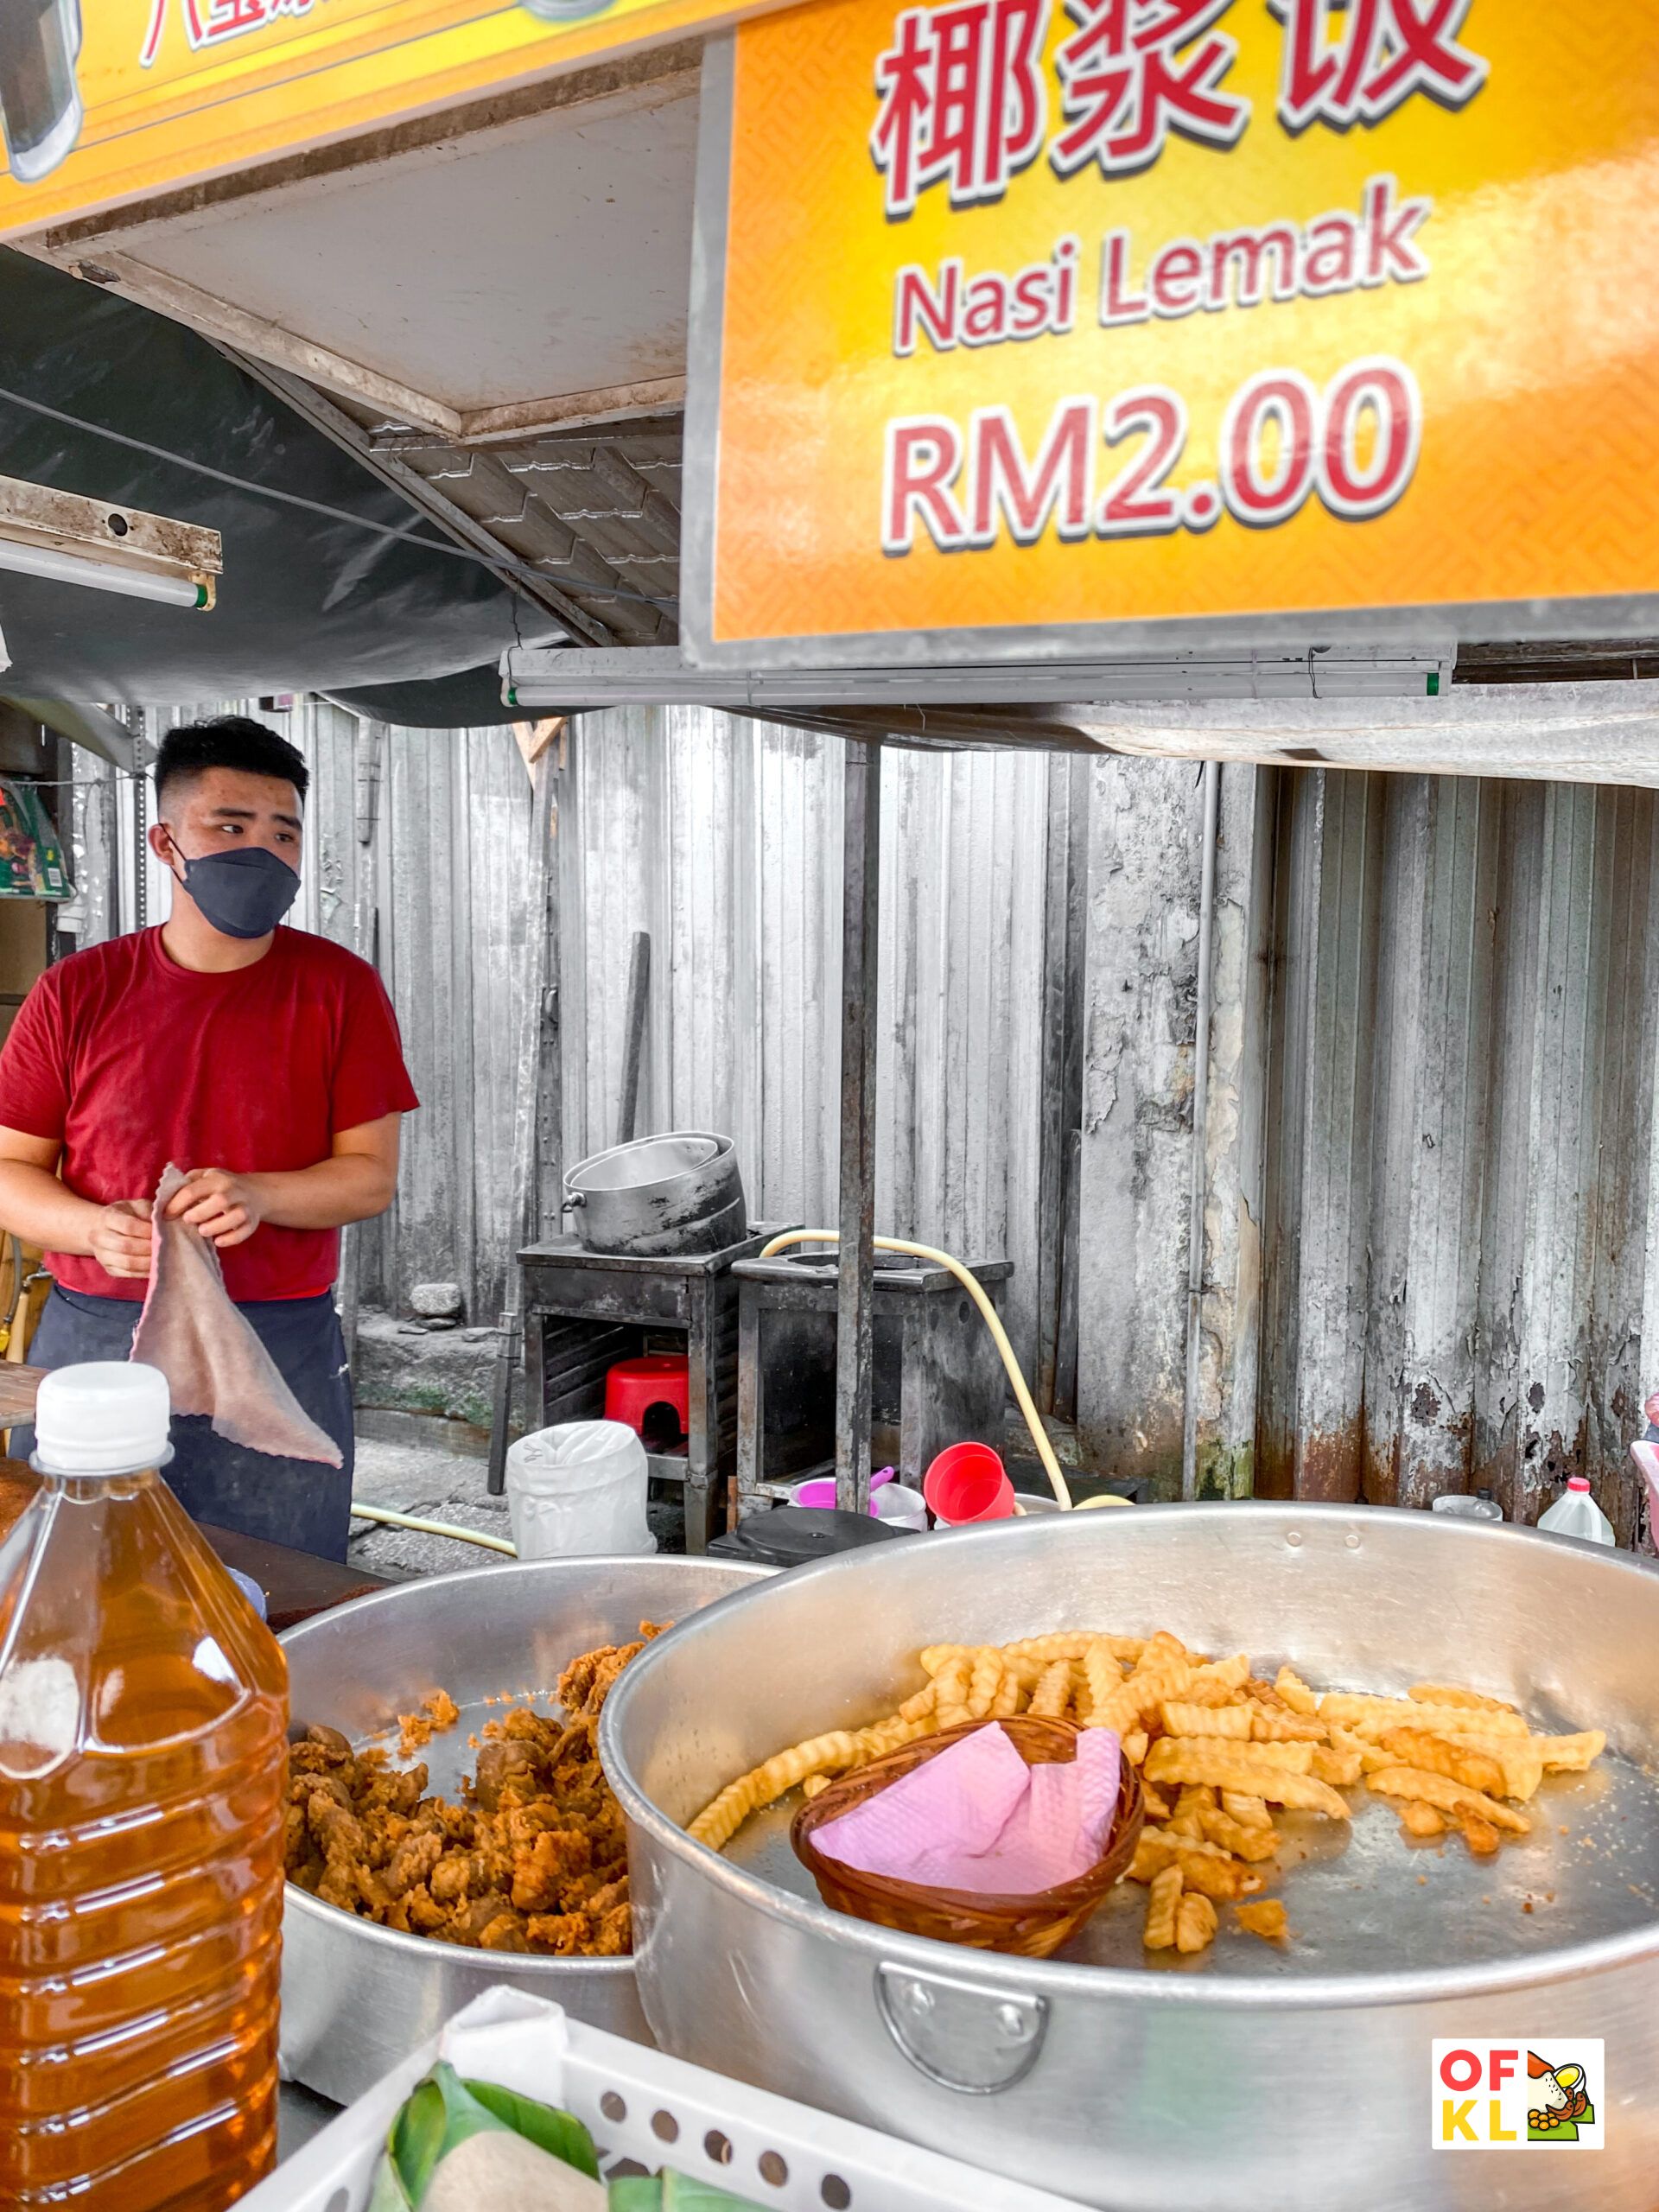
<point x="976" y="1290"/>
<point x="432" y="1528"/>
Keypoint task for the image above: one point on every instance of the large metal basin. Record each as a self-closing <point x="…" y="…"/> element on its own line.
<point x="1251" y="2080"/>
<point x="356" y="1998"/>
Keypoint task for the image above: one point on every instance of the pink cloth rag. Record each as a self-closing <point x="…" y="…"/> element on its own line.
<point x="977" y="1818"/>
<point x="214" y="1362"/>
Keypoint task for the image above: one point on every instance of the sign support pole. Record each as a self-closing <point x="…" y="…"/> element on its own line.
<point x="860" y="919"/>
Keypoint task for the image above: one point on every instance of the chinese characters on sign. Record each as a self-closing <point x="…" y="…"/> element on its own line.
<point x="963" y="103"/>
<point x="1039" y="316"/>
<point x="210" y="22"/>
<point x="1388" y="50"/>
<point x="963" y="100"/>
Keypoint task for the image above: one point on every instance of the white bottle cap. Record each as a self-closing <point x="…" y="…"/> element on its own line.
<point x="105" y="1418"/>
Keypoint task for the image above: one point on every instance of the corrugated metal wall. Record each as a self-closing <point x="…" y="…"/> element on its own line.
<point x="1462" y="1264"/>
<point x="421" y="857"/>
<point x="722" y="839"/>
<point x="1433" y="1161"/>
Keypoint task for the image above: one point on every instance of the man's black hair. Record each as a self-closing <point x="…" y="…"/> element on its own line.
<point x="227" y="741"/>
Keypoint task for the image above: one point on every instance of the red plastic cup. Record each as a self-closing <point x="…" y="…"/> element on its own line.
<point x="968" y="1482"/>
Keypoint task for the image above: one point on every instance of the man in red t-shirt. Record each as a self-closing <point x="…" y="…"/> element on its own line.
<point x="266" y="1062"/>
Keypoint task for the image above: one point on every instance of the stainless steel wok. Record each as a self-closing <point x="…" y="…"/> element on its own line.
<point x="356" y="1998"/>
<point x="1254" y="2080"/>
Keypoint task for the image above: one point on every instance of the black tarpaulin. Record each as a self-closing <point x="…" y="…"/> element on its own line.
<point x="305" y="603"/>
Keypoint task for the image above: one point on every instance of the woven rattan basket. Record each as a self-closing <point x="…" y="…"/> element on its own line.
<point x="1031" y="1927"/>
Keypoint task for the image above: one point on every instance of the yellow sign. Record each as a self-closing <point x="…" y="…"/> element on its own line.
<point x="104" y="101"/>
<point x="1017" y="318"/>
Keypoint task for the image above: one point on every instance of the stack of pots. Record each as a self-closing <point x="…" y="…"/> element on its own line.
<point x="659" y="1197"/>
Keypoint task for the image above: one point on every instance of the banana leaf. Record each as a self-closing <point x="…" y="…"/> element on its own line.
<point x="443" y="2112"/>
<point x="669" y="2191"/>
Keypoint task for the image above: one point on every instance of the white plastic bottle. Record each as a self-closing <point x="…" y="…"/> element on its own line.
<point x="1575" y="1513"/>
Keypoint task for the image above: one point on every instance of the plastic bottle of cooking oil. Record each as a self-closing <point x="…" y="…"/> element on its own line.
<point x="143" y="1718"/>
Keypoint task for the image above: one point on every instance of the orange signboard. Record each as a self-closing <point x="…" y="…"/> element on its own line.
<point x="107" y="101"/>
<point x="1021" y="321"/>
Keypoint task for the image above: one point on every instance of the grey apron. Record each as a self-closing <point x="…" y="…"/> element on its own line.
<point x="297" y="1502"/>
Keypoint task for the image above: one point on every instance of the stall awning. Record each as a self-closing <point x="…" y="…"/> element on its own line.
<point x="308" y="600"/>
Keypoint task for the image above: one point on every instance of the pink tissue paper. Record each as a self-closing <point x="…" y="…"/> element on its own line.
<point x="977" y="1818"/>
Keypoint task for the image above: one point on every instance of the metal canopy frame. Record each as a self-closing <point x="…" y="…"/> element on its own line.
<point x="540" y="678"/>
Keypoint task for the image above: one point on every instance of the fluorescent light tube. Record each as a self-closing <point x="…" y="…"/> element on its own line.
<point x="132" y="583"/>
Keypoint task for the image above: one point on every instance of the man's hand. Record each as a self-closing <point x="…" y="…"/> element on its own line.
<point x="120" y="1238"/>
<point x="225" y="1208"/>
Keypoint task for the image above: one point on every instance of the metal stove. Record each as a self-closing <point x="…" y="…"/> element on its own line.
<point x="584" y="1311"/>
<point x="937" y="1375"/>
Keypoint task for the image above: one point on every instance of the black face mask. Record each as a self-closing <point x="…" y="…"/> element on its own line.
<point x="243" y="894"/>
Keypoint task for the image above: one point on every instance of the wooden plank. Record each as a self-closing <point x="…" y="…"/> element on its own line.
<point x="637" y="1007"/>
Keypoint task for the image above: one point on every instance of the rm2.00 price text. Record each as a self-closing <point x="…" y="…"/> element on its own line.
<point x="1353" y="446"/>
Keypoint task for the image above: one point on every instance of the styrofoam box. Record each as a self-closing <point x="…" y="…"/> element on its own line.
<point x="645" y="2110"/>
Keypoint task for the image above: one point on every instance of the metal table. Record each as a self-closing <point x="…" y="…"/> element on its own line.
<point x="936" y="1374"/>
<point x="583" y="1311"/>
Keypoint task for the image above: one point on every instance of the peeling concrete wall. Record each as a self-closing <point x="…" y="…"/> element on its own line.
<point x="1141" y="1025"/>
<point x="1137" y="1111"/>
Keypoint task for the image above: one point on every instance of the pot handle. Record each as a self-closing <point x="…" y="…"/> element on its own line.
<point x="960" y="2034"/>
<point x="575" y="1198"/>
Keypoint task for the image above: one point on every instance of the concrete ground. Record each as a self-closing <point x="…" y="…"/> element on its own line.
<point x="398" y="1468"/>
<point x="434" y="1483"/>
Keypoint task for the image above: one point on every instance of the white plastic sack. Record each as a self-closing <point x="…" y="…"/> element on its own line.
<point x="578" y="1488"/>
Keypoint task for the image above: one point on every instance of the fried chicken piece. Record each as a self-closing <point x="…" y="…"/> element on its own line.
<point x="318" y="1750"/>
<point x="540" y="1872"/>
<point x="614" y="1938"/>
<point x="337" y="1830"/>
<point x="303" y="1787"/>
<point x="449" y="1882"/>
<point x="416" y="1730"/>
<point x="311" y="1759"/>
<point x="394" y="1792"/>
<point x="586" y="1681"/>
<point x="297" y="1837"/>
<point x="535" y="1858"/>
<point x="412" y="1862"/>
<point x="563" y="1933"/>
<point x="505" y="1933"/>
<point x="338" y="1885"/>
<point x="500" y="1763"/>
<point x="469" y="1924"/>
<point x="422" y="1917"/>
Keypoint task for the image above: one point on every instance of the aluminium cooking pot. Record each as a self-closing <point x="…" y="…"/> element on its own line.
<point x="660" y="1197"/>
<point x="356" y="1997"/>
<point x="1259" y="2077"/>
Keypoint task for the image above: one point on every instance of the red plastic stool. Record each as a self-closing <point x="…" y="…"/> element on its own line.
<point x="634" y="1387"/>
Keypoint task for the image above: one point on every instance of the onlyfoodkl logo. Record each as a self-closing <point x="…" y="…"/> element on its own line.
<point x="1495" y="2096"/>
